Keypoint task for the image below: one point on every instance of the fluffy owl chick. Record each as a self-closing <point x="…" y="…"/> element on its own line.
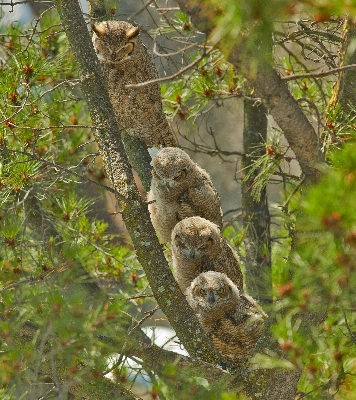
<point x="125" y="60"/>
<point x="197" y="247"/>
<point x="180" y="189"/>
<point x="233" y="320"/>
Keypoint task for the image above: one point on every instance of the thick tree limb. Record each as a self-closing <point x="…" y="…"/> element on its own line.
<point x="344" y="89"/>
<point x="268" y="84"/>
<point x="255" y="214"/>
<point x="134" y="210"/>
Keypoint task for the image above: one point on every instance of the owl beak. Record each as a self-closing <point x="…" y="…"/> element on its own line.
<point x="169" y="185"/>
<point x="211" y="297"/>
<point x="193" y="254"/>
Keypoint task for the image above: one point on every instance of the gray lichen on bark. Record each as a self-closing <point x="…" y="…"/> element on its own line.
<point x="255" y="214"/>
<point x="134" y="210"/>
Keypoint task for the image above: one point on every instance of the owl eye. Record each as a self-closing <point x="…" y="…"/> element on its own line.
<point x="220" y="291"/>
<point x="181" y="176"/>
<point x="126" y="50"/>
<point x="207" y="244"/>
<point x="202" y="291"/>
<point x="130" y="47"/>
<point x="178" y="240"/>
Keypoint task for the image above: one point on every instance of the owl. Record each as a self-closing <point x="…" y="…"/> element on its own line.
<point x="197" y="247"/>
<point x="125" y="60"/>
<point x="180" y="189"/>
<point x="233" y="320"/>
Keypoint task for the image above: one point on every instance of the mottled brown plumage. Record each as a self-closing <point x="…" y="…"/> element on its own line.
<point x="197" y="247"/>
<point x="233" y="320"/>
<point x="180" y="189"/>
<point x="125" y="60"/>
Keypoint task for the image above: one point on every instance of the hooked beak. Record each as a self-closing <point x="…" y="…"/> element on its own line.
<point x="211" y="297"/>
<point x="193" y="254"/>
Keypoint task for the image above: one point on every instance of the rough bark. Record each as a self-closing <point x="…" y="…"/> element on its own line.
<point x="140" y="159"/>
<point x="274" y="93"/>
<point x="255" y="214"/>
<point x="344" y="94"/>
<point x="134" y="210"/>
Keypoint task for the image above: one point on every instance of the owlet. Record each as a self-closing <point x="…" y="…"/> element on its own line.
<point x="180" y="189"/>
<point x="233" y="320"/>
<point x="125" y="60"/>
<point x="197" y="247"/>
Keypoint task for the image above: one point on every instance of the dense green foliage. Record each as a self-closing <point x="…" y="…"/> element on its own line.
<point x="324" y="283"/>
<point x="52" y="242"/>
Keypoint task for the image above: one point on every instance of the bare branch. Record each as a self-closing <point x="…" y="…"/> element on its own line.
<point x="318" y="74"/>
<point x="170" y="77"/>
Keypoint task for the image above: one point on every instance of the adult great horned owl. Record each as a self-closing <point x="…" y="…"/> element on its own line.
<point x="125" y="60"/>
<point x="197" y="246"/>
<point x="180" y="189"/>
<point x="233" y="320"/>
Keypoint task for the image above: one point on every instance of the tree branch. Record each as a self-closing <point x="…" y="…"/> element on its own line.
<point x="134" y="210"/>
<point x="273" y="90"/>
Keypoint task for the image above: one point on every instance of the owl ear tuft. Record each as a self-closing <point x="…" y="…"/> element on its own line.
<point x="98" y="29"/>
<point x="133" y="32"/>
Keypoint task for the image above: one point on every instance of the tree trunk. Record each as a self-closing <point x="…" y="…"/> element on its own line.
<point x="255" y="214"/>
<point x="344" y="93"/>
<point x="274" y="93"/>
<point x="134" y="210"/>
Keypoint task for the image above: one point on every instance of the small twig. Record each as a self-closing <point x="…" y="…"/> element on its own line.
<point x="285" y="204"/>
<point x="170" y="77"/>
<point x="139" y="296"/>
<point x="166" y="9"/>
<point x="141" y="321"/>
<point x="318" y="74"/>
<point x="34" y="28"/>
<point x="68" y="171"/>
<point x="140" y="10"/>
<point x="98" y="248"/>
<point x="352" y="334"/>
<point x="230" y="211"/>
<point x="34" y="279"/>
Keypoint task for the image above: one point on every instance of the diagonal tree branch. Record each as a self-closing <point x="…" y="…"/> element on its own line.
<point x="134" y="210"/>
<point x="268" y="84"/>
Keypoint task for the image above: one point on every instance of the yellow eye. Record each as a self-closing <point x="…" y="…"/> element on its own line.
<point x="202" y="291"/>
<point x="182" y="175"/>
<point x="178" y="241"/>
<point x="129" y="48"/>
<point x="220" y="291"/>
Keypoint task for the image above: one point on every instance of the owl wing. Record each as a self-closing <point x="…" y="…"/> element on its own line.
<point x="227" y="262"/>
<point x="251" y="305"/>
<point x="233" y="339"/>
<point x="154" y="124"/>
